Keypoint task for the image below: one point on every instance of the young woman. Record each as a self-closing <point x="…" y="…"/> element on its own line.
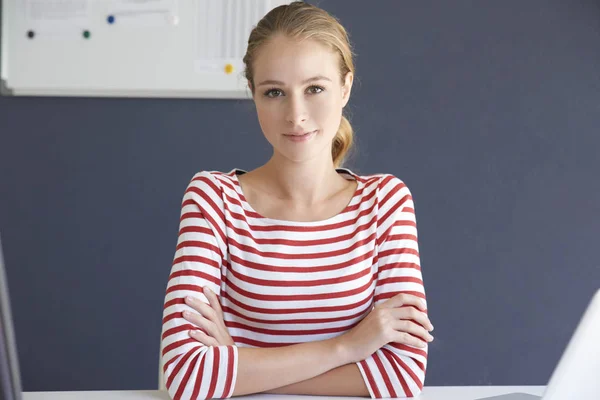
<point x="299" y="277"/>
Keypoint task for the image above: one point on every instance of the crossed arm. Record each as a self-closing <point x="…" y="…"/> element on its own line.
<point x="317" y="368"/>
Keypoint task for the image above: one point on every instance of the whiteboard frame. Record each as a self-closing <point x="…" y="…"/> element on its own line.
<point x="4" y="90"/>
<point x="8" y="88"/>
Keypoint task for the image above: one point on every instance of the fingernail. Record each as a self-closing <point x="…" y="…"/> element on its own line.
<point x="186" y="314"/>
<point x="188" y="299"/>
<point x="206" y="290"/>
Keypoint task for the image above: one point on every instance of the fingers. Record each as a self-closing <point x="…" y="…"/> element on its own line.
<point x="205" y="309"/>
<point x="413" y="329"/>
<point x="209" y="319"/>
<point x="201" y="322"/>
<point x="213" y="300"/>
<point x="203" y="338"/>
<point x="414" y="314"/>
<point x="405" y="299"/>
<point x="408" y="339"/>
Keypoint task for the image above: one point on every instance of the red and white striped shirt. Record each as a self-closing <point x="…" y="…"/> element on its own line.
<point x="287" y="282"/>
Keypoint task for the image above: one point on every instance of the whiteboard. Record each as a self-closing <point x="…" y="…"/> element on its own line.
<point x="127" y="48"/>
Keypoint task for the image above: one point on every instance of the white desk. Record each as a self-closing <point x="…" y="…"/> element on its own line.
<point x="429" y="393"/>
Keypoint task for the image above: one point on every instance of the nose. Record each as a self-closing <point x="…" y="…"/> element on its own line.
<point x="296" y="112"/>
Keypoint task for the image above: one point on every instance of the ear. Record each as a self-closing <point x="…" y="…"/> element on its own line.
<point x="347" y="88"/>
<point x="251" y="89"/>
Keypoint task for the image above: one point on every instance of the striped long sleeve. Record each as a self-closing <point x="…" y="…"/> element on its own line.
<point x="285" y="282"/>
<point x="396" y="370"/>
<point x="192" y="370"/>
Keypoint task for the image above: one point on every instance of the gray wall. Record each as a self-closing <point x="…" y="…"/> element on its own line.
<point x="489" y="111"/>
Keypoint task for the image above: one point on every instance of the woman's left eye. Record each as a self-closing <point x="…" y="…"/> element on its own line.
<point x="315" y="89"/>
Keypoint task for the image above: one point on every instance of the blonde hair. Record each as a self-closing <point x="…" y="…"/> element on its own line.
<point x="300" y="20"/>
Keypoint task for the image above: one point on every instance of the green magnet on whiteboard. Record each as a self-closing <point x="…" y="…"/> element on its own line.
<point x="86" y="34"/>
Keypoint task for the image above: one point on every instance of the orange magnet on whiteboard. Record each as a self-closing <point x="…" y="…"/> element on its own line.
<point x="228" y="69"/>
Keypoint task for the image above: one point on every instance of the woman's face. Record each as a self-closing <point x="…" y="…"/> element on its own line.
<point x="299" y="91"/>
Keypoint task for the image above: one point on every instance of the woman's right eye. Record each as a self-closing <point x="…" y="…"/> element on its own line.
<point x="273" y="93"/>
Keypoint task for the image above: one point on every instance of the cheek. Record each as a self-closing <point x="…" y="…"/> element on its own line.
<point x="267" y="115"/>
<point x="326" y="111"/>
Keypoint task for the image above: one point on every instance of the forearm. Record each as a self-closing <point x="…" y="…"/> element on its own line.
<point x="263" y="369"/>
<point x="341" y="381"/>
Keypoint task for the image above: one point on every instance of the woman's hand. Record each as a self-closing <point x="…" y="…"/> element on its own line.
<point x="395" y="320"/>
<point x="210" y="320"/>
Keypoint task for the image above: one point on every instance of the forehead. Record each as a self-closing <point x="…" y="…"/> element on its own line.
<point x="289" y="60"/>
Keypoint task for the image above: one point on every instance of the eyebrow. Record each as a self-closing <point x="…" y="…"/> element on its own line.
<point x="314" y="78"/>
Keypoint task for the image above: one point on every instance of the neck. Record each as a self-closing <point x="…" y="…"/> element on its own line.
<point x="304" y="184"/>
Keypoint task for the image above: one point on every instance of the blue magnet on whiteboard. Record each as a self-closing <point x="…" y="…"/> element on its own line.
<point x="111" y="19"/>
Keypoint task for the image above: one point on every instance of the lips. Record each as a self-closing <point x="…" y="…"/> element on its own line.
<point x="299" y="134"/>
<point x="300" y="137"/>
